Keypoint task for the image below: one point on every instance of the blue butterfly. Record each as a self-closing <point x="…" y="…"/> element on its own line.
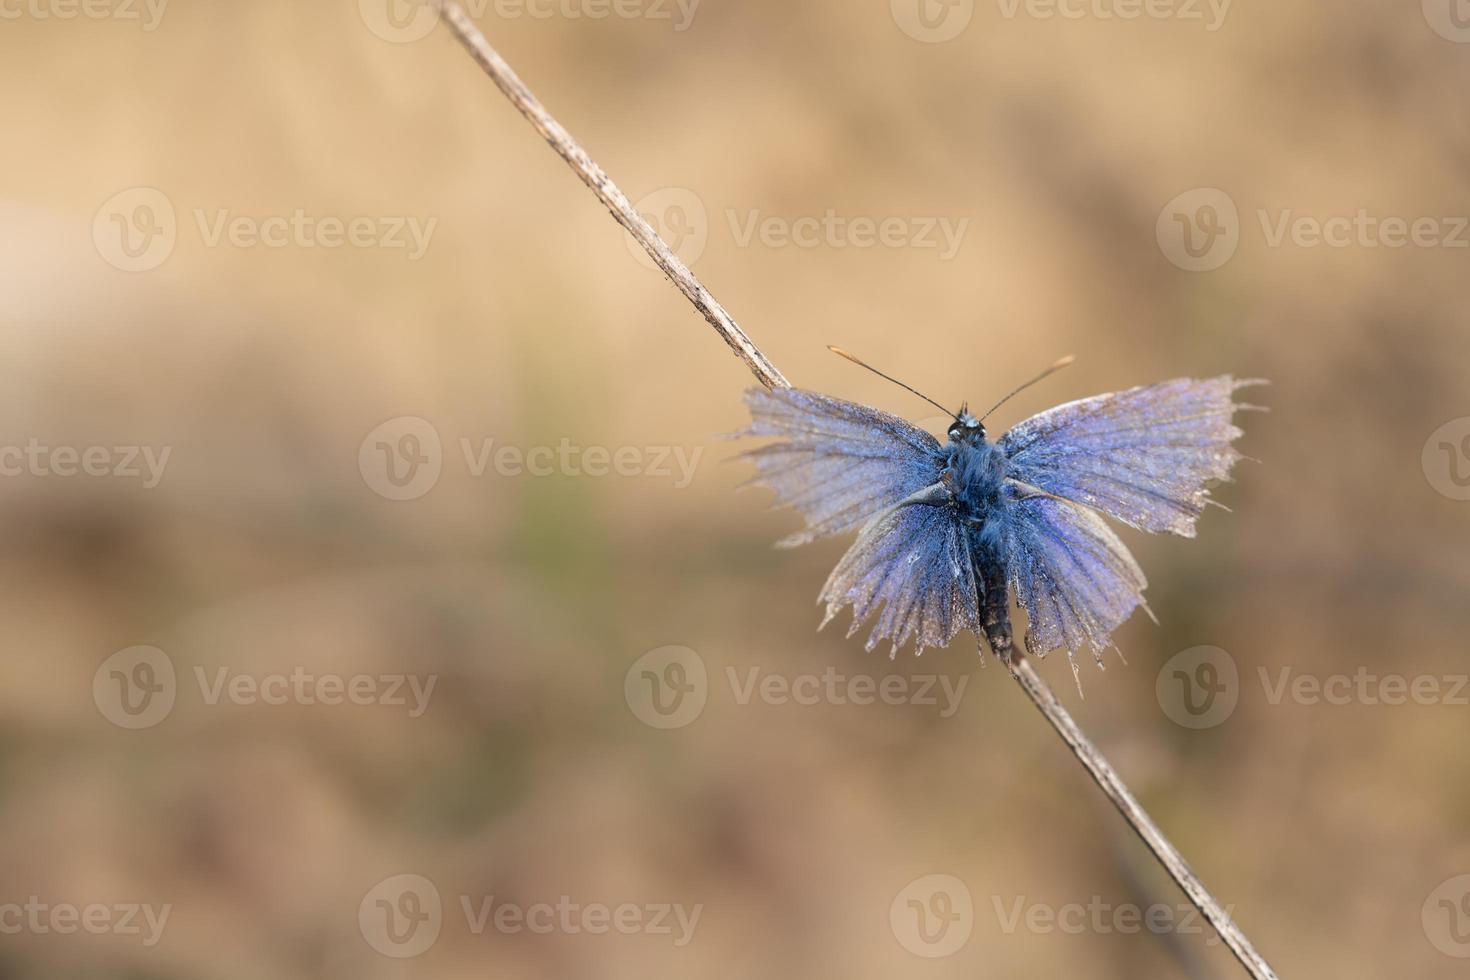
<point x="948" y="531"/>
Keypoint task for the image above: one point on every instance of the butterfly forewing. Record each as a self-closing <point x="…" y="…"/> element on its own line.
<point x="1145" y="456"/>
<point x="836" y="462"/>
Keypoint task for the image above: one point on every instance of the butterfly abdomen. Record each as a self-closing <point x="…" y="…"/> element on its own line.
<point x="979" y="477"/>
<point x="995" y="607"/>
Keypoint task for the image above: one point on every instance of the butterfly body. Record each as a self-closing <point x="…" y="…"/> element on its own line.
<point x="974" y="473"/>
<point x="948" y="532"/>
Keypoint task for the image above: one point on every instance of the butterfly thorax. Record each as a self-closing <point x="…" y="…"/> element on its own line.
<point x="975" y="473"/>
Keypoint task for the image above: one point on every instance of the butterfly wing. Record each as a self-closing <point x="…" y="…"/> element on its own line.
<point x="1074" y="577"/>
<point x="836" y="462"/>
<point x="1144" y="456"/>
<point x="912" y="566"/>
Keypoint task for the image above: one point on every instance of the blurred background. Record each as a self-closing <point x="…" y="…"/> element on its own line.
<point x="379" y="603"/>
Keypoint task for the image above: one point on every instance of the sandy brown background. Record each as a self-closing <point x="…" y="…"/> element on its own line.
<point x="1336" y="830"/>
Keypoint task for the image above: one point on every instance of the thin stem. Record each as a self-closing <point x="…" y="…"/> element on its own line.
<point x="765" y="372"/>
<point x="608" y="193"/>
<point x="1112" y="784"/>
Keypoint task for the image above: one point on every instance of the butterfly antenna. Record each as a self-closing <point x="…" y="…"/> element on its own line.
<point x="842" y="353"/>
<point x="1063" y="362"/>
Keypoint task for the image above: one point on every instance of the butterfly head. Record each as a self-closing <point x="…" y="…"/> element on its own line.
<point x="966" y="428"/>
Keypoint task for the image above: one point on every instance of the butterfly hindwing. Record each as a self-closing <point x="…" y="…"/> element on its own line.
<point x="1145" y="456"/>
<point x="1074" y="577"/>
<point x="911" y="565"/>
<point x="836" y="462"/>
